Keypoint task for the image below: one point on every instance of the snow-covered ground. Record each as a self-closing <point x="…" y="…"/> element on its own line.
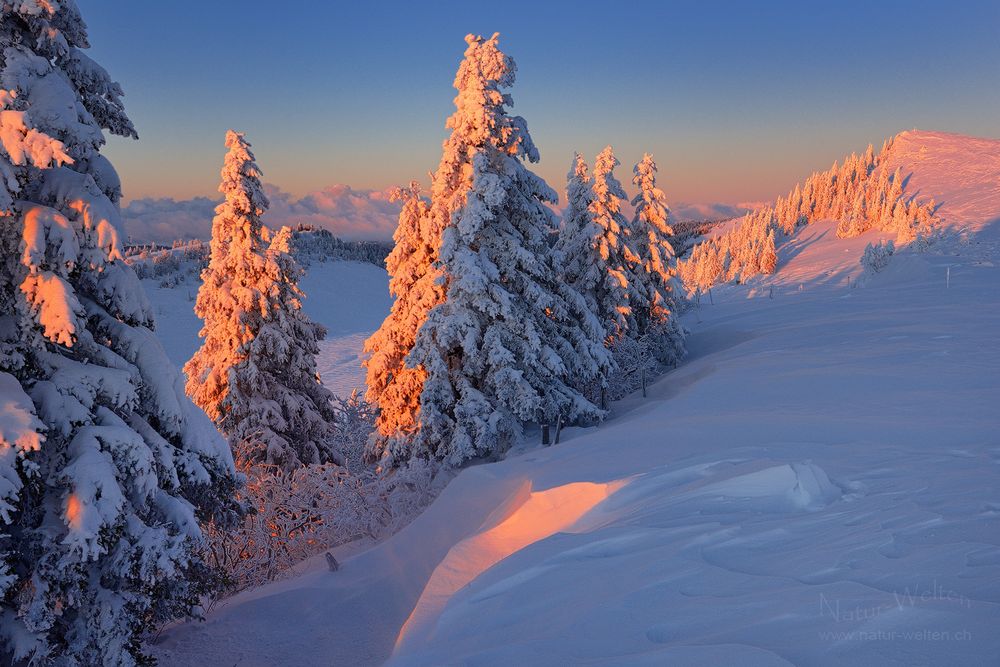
<point x="819" y="483"/>
<point x="350" y="298"/>
<point x="960" y="173"/>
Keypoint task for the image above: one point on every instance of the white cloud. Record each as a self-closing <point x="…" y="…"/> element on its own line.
<point x="347" y="213"/>
<point x="350" y="214"/>
<point x="683" y="212"/>
<point x="165" y="219"/>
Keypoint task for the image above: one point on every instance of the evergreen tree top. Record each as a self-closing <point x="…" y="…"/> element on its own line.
<point x="606" y="185"/>
<point x="55" y="31"/>
<point x="578" y="172"/>
<point x="650" y="202"/>
<point x="481" y="116"/>
<point x="241" y="179"/>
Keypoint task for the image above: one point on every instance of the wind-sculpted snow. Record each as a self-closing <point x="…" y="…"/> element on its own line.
<point x="819" y="483"/>
<point x="961" y="174"/>
<point x="789" y="487"/>
<point x="527" y="517"/>
<point x="824" y="495"/>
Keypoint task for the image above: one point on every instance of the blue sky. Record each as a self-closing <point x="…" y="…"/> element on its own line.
<point x="736" y="100"/>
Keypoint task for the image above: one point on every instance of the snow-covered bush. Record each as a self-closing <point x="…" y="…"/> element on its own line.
<point x="637" y="361"/>
<point x="295" y="514"/>
<point x="665" y="339"/>
<point x="100" y="509"/>
<point x="924" y="239"/>
<point x="634" y="363"/>
<point x="877" y="256"/>
<point x="301" y="513"/>
<point x="354" y="424"/>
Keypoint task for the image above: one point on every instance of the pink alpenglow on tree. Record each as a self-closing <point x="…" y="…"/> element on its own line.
<point x="106" y="468"/>
<point x="255" y="373"/>
<point x="510" y="338"/>
<point x="415" y="283"/>
<point x="652" y="232"/>
<point x="860" y="194"/>
<point x="599" y="258"/>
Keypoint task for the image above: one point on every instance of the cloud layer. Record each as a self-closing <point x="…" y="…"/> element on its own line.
<point x="684" y="212"/>
<point x="348" y="213"/>
<point x="165" y="219"/>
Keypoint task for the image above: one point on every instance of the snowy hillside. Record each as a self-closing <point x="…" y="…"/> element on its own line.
<point x="962" y="174"/>
<point x="818" y="483"/>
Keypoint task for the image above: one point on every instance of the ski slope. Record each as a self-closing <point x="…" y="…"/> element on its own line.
<point x="819" y="483"/>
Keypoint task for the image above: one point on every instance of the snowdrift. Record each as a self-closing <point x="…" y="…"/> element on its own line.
<point x="819" y="483"/>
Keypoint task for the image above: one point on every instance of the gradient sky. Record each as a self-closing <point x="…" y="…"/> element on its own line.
<point x="736" y="100"/>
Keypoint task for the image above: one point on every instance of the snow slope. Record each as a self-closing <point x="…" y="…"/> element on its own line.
<point x="818" y="484"/>
<point x="961" y="174"/>
<point x="349" y="298"/>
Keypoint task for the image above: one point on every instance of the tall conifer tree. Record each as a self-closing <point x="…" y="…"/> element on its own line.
<point x="652" y="233"/>
<point x="509" y="337"/>
<point x="255" y="373"/>
<point x="414" y="283"/>
<point x="106" y="468"/>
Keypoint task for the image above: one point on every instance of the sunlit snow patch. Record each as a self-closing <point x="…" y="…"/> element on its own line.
<point x="529" y="516"/>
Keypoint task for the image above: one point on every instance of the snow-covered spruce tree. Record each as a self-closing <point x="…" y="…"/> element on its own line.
<point x="610" y="273"/>
<point x="255" y="373"/>
<point x="657" y="321"/>
<point x="291" y="417"/>
<point x="768" y="254"/>
<point x="414" y="283"/>
<point x="100" y="511"/>
<point x="877" y="255"/>
<point x="510" y="338"/>
<point x="577" y="231"/>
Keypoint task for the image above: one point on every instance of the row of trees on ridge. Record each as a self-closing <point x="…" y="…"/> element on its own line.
<point x="861" y="193"/>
